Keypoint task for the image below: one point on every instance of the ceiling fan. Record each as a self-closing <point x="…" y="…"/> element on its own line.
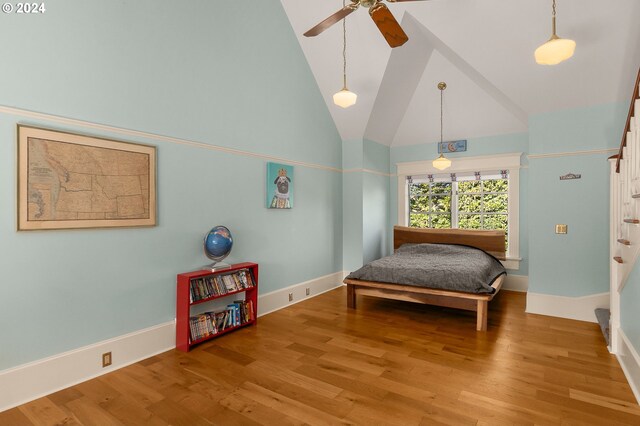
<point x="381" y="15"/>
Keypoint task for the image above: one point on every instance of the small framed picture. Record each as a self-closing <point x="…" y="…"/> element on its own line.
<point x="453" y="146"/>
<point x="279" y="186"/>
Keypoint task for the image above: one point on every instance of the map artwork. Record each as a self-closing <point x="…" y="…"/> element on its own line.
<point x="73" y="181"/>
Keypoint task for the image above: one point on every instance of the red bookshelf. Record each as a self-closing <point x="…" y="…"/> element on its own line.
<point x="184" y="302"/>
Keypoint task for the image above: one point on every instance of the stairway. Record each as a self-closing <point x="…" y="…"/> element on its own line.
<point x="624" y="213"/>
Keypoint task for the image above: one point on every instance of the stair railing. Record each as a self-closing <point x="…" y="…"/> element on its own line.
<point x="627" y="126"/>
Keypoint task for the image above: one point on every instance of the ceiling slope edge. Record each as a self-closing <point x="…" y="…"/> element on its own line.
<point x="491" y="89"/>
<point x="401" y="78"/>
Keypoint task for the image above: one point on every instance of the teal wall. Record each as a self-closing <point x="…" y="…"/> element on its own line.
<point x="365" y="202"/>
<point x="232" y="74"/>
<point x="375" y="201"/>
<point x="575" y="264"/>
<point x="352" y="190"/>
<point x="501" y="144"/>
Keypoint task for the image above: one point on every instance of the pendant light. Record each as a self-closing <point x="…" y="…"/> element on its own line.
<point x="441" y="162"/>
<point x="344" y="98"/>
<point x="556" y="49"/>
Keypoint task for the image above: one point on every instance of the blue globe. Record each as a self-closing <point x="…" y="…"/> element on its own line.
<point x="218" y="243"/>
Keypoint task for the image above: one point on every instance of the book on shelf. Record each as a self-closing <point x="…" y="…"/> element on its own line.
<point x="219" y="284"/>
<point x="211" y="323"/>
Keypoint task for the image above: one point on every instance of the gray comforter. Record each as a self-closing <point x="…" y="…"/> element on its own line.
<point x="440" y="266"/>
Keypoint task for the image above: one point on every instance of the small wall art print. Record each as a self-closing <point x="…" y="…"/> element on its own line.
<point x="453" y="146"/>
<point x="279" y="186"/>
<point x="70" y="181"/>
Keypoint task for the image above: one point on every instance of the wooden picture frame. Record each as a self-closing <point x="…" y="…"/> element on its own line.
<point x="72" y="181"/>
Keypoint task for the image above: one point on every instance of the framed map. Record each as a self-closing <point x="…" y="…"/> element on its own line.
<point x="73" y="181"/>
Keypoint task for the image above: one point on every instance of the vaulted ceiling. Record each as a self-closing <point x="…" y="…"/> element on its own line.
<point x="483" y="50"/>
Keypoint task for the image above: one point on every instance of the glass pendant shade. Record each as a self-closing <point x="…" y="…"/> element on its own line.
<point x="345" y="98"/>
<point x="555" y="51"/>
<point x="441" y="163"/>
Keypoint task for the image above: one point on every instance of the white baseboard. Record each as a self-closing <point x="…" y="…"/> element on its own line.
<point x="36" y="379"/>
<point x="630" y="362"/>
<point x="27" y="382"/>
<point x="516" y="283"/>
<point x="578" y="308"/>
<point x="279" y="299"/>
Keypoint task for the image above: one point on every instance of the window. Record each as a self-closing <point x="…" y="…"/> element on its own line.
<point x="467" y="201"/>
<point x="474" y="193"/>
<point x="430" y="204"/>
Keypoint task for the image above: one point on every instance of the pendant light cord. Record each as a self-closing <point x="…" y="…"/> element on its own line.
<point x="553" y="19"/>
<point x="344" y="49"/>
<point x="441" y="94"/>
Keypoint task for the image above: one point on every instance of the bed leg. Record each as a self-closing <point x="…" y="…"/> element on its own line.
<point x="481" y="323"/>
<point x="351" y="296"/>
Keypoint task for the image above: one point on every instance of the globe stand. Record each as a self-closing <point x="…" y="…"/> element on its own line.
<point x="217" y="266"/>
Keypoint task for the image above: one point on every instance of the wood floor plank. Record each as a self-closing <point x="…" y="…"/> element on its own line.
<point x="305" y="382"/>
<point x="387" y="362"/>
<point x="14" y="417"/>
<point x="177" y="415"/>
<point x="255" y="412"/>
<point x="283" y="404"/>
<point x="91" y="414"/>
<point x="44" y="412"/>
<point x="127" y="411"/>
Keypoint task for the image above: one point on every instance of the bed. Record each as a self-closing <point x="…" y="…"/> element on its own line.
<point x="491" y="242"/>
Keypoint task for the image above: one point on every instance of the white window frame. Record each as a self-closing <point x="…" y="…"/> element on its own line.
<point x="510" y="162"/>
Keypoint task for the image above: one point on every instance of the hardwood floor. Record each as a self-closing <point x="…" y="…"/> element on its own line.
<point x="388" y="362"/>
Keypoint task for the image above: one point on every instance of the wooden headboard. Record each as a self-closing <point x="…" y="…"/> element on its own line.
<point x="493" y="242"/>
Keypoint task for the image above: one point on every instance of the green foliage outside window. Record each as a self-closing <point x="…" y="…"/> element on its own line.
<point x="430" y="205"/>
<point x="480" y="204"/>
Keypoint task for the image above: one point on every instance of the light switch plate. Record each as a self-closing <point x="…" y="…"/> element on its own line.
<point x="561" y="229"/>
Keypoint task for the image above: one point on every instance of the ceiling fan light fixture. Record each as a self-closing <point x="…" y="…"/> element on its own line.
<point x="441" y="162"/>
<point x="556" y="49"/>
<point x="345" y="98"/>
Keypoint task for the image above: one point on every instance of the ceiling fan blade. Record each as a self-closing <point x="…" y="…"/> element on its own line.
<point x="336" y="17"/>
<point x="388" y="26"/>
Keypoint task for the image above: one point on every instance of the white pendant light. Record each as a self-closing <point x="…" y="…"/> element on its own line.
<point x="556" y="49"/>
<point x="344" y="98"/>
<point x="441" y="162"/>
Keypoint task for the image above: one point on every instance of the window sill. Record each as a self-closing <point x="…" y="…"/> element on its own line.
<point x="511" y="263"/>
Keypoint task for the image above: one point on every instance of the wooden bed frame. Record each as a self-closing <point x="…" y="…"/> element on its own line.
<point x="490" y="241"/>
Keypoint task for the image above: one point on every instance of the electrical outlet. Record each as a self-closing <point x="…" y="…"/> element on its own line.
<point x="290" y="297"/>
<point x="308" y="291"/>
<point x="106" y="359"/>
<point x="561" y="229"/>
